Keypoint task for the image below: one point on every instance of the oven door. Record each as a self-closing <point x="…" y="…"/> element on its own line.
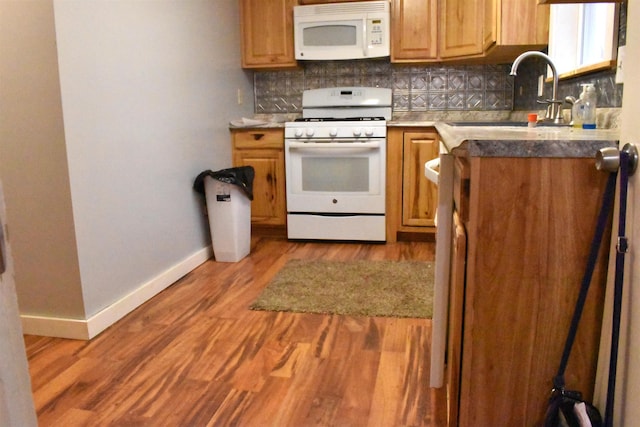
<point x="336" y="177"/>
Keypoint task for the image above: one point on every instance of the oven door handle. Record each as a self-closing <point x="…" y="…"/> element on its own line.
<point x="336" y="147"/>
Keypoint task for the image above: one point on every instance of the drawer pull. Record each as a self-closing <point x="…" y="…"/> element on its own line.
<point x="258" y="136"/>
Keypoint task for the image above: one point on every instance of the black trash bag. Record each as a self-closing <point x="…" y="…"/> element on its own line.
<point x="241" y="176"/>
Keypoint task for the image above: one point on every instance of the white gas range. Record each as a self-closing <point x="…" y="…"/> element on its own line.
<point x="335" y="160"/>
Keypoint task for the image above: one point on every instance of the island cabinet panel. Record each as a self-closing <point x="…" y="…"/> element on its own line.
<point x="456" y="316"/>
<point x="529" y="231"/>
<point x="264" y="150"/>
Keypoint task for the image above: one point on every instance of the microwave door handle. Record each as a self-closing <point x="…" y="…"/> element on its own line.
<point x="365" y="42"/>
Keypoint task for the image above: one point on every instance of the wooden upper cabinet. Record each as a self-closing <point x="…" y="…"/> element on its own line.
<point x="415" y="30"/>
<point x="461" y="28"/>
<point x="581" y="1"/>
<point x="523" y="23"/>
<point x="267" y="33"/>
<point x="326" y="1"/>
<point x="490" y="28"/>
<point x="456" y="30"/>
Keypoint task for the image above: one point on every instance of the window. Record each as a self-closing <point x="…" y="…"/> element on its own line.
<point x="583" y="37"/>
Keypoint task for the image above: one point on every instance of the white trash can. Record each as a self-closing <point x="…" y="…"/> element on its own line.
<point x="229" y="212"/>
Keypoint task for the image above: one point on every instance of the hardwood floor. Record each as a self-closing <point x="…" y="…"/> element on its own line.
<point x="195" y="355"/>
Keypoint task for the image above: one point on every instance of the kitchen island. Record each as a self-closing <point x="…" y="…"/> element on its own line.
<point x="525" y="204"/>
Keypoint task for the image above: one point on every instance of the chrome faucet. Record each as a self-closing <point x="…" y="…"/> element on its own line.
<point x="554" y="110"/>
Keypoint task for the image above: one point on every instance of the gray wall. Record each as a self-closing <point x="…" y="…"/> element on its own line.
<point x="33" y="162"/>
<point x="102" y="151"/>
<point x="16" y="403"/>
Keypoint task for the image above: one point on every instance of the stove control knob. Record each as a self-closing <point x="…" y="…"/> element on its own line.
<point x="310" y="132"/>
<point x="357" y="131"/>
<point x="368" y="132"/>
<point x="298" y="133"/>
<point x="333" y="132"/>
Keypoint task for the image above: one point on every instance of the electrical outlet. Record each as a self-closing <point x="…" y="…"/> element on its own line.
<point x="620" y="66"/>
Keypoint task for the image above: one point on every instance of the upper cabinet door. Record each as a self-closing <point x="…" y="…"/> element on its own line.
<point x="462" y="28"/>
<point x="326" y="1"/>
<point x="414" y="26"/>
<point x="523" y="23"/>
<point x="267" y="33"/>
<point x="581" y="1"/>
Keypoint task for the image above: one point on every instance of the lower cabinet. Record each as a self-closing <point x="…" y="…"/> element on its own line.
<point x="521" y="238"/>
<point x="411" y="198"/>
<point x="264" y="150"/>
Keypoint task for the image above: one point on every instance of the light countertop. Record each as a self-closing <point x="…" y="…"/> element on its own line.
<point x="522" y="141"/>
<point x="489" y="141"/>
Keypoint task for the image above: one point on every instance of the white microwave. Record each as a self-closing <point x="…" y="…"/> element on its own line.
<point x="352" y="30"/>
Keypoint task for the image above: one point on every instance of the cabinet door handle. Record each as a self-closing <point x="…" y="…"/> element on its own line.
<point x="3" y="250"/>
<point x="608" y="158"/>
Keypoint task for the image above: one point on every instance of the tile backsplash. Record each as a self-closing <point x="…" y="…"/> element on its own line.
<point x="426" y="88"/>
<point x="415" y="89"/>
<point x="469" y="87"/>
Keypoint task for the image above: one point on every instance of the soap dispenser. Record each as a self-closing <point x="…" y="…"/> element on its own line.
<point x="577" y="112"/>
<point x="589" y="98"/>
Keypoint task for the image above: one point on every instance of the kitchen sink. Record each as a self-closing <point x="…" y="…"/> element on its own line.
<point x="487" y="123"/>
<point x="504" y="124"/>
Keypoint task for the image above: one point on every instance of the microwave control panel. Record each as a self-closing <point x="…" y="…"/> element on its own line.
<point x="376" y="32"/>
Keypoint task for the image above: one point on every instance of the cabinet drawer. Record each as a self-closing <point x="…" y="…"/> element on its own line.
<point x="260" y="138"/>
<point x="461" y="187"/>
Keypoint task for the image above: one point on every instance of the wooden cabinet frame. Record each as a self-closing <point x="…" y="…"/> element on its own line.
<point x="411" y="198"/>
<point x="489" y="31"/>
<point x="264" y="150"/>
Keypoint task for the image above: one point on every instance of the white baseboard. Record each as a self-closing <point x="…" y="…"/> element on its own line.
<point x="89" y="328"/>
